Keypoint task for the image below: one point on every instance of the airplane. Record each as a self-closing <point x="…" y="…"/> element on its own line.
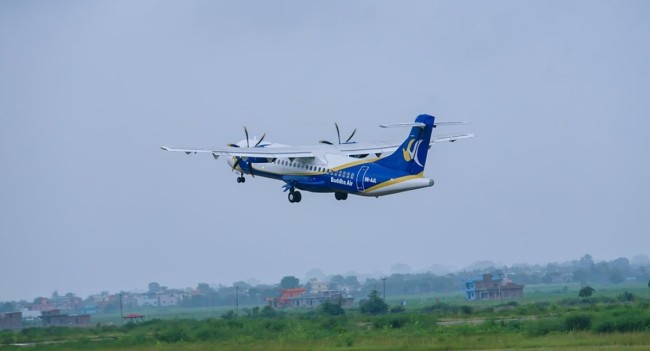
<point x="364" y="169"/>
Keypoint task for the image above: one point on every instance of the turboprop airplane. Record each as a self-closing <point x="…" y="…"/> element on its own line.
<point x="365" y="169"/>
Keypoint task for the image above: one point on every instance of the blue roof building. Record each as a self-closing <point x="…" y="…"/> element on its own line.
<point x="492" y="287"/>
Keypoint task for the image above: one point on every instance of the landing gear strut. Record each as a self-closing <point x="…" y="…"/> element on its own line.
<point x="340" y="196"/>
<point x="294" y="196"/>
<point x="241" y="179"/>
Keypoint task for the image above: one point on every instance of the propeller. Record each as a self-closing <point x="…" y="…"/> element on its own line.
<point x="248" y="144"/>
<point x="338" y="134"/>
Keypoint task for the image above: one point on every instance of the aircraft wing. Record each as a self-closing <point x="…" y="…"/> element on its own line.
<point x="388" y="147"/>
<point x="351" y="149"/>
<point x="271" y="152"/>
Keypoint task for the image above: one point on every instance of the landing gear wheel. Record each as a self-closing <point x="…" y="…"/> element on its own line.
<point x="241" y="179"/>
<point x="295" y="196"/>
<point x="341" y="196"/>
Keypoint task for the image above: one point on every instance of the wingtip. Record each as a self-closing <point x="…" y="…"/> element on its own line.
<point x="164" y="148"/>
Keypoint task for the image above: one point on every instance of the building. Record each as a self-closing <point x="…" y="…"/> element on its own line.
<point x="315" y="299"/>
<point x="30" y="316"/>
<point x="41" y="304"/>
<point x="317" y="287"/>
<point x="492" y="287"/>
<point x="150" y="299"/>
<point x="11" y="320"/>
<point x="170" y="299"/>
<point x="300" y="298"/>
<point x="285" y="296"/>
<point x="159" y="299"/>
<point x="56" y="318"/>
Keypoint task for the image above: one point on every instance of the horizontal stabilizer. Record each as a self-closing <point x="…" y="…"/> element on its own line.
<point x="405" y="124"/>
<point x="449" y="124"/>
<point x="420" y="125"/>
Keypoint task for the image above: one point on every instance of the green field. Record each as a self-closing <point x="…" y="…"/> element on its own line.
<point x="549" y="317"/>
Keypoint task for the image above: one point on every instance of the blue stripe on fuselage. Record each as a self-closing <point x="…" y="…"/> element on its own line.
<point x="354" y="179"/>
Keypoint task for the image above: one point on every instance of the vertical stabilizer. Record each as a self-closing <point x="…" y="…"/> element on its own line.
<point x="411" y="156"/>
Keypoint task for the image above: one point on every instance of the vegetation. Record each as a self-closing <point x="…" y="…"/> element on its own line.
<point x="373" y="305"/>
<point x="611" y="319"/>
<point x="289" y="282"/>
<point x="586" y="291"/>
<point x="424" y="311"/>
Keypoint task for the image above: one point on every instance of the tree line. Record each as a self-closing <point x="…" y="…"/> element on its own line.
<point x="584" y="270"/>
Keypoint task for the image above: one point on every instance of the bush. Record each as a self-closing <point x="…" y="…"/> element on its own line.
<point x="228" y="315"/>
<point x="542" y="327"/>
<point x="331" y="309"/>
<point x="444" y="308"/>
<point x="268" y="312"/>
<point x="578" y="322"/>
<point x="374" y="304"/>
<point x="172" y="335"/>
<point x="586" y="291"/>
<point x="624" y="323"/>
<point x="626" y="297"/>
<point x="334" y="323"/>
<point x="465" y="309"/>
<point x="393" y="322"/>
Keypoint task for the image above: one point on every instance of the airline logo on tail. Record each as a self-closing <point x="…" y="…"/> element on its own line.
<point x="412" y="154"/>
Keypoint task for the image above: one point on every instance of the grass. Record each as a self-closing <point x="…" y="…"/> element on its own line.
<point x="549" y="318"/>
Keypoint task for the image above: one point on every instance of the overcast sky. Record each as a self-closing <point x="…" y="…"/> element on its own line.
<point x="557" y="93"/>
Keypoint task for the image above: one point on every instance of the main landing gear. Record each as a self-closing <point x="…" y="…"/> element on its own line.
<point x="294" y="196"/>
<point x="241" y="179"/>
<point x="340" y="196"/>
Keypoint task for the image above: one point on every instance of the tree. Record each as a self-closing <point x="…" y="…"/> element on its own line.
<point x="586" y="261"/>
<point x="154" y="287"/>
<point x="586" y="291"/>
<point x="352" y="281"/>
<point x="230" y="314"/>
<point x="8" y="307"/>
<point x="337" y="281"/>
<point x="374" y="304"/>
<point x="616" y="277"/>
<point x="289" y="282"/>
<point x="204" y="288"/>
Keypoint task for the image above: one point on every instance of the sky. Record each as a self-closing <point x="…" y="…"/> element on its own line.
<point x="556" y="93"/>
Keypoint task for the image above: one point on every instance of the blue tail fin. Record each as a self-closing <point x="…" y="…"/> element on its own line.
<point x="411" y="156"/>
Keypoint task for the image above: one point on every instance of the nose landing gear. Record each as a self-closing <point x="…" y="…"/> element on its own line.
<point x="340" y="196"/>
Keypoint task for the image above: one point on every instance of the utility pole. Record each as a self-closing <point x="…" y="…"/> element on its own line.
<point x="237" y="300"/>
<point x="121" y="308"/>
<point x="384" y="280"/>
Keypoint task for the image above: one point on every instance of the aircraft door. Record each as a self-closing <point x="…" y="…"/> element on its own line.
<point x="361" y="175"/>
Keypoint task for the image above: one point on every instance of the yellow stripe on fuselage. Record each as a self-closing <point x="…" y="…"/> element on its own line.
<point x="394" y="181"/>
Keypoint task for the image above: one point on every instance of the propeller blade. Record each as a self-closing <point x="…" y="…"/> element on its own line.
<point x="338" y="133"/>
<point x="326" y="142"/>
<point x="351" y="135"/>
<point x="260" y="141"/>
<point x="233" y="145"/>
<point x="246" y="132"/>
<point x="234" y="165"/>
